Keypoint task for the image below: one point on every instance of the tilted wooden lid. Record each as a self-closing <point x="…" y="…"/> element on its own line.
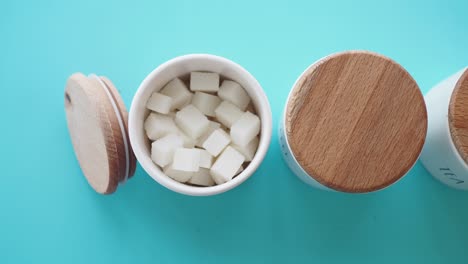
<point x="97" y="122"/>
<point x="458" y="115"/>
<point x="356" y="121"/>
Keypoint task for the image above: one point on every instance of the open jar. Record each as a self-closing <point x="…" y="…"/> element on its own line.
<point x="108" y="141"/>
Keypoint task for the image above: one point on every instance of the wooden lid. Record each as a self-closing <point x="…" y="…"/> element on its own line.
<point x="97" y="122"/>
<point x="458" y="115"/>
<point x="356" y="121"/>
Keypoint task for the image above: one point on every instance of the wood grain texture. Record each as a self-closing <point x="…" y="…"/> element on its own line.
<point x="124" y="115"/>
<point x="95" y="132"/>
<point x="356" y="121"/>
<point x="458" y="116"/>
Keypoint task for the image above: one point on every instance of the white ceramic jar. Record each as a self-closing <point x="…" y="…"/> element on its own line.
<point x="183" y="66"/>
<point x="444" y="153"/>
<point x="353" y="122"/>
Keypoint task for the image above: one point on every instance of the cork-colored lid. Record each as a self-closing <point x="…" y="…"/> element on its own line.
<point x="356" y="121"/>
<point x="458" y="115"/>
<point x="97" y="121"/>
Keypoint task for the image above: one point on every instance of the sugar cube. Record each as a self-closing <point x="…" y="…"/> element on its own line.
<point x="189" y="101"/>
<point x="157" y="126"/>
<point x="206" y="103"/>
<point x="179" y="93"/>
<point x="162" y="150"/>
<point x="211" y="127"/>
<point x="216" y="142"/>
<point x="159" y="103"/>
<point x="180" y="176"/>
<point x="192" y="121"/>
<point x="188" y="141"/>
<point x="204" y="81"/>
<point x="232" y="92"/>
<point x="226" y="166"/>
<point x="202" y="178"/>
<point x="248" y="150"/>
<point x="206" y="160"/>
<point x="227" y="113"/>
<point x="245" y="129"/>
<point x="186" y="159"/>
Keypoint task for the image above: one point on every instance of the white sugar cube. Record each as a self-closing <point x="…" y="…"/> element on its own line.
<point x="180" y="176"/>
<point x="157" y="126"/>
<point x="202" y="178"/>
<point x="204" y="81"/>
<point x="211" y="127"/>
<point x="188" y="102"/>
<point x="192" y="121"/>
<point x="162" y="150"/>
<point x="188" y="141"/>
<point x="227" y="165"/>
<point x="227" y="113"/>
<point x="186" y="159"/>
<point x="249" y="150"/>
<point x="179" y="93"/>
<point x="206" y="103"/>
<point x="245" y="129"/>
<point x="159" y="103"/>
<point x="216" y="142"/>
<point x="232" y="92"/>
<point x="206" y="159"/>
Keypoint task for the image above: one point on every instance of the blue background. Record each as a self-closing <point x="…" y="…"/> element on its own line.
<point x="49" y="214"/>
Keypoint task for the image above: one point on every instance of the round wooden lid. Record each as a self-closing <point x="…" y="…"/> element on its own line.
<point x="458" y="115"/>
<point x="97" y="121"/>
<point x="356" y="121"/>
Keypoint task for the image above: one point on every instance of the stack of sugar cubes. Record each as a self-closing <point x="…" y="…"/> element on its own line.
<point x="203" y="135"/>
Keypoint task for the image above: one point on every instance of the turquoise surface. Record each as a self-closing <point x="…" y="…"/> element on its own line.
<point x="49" y="214"/>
